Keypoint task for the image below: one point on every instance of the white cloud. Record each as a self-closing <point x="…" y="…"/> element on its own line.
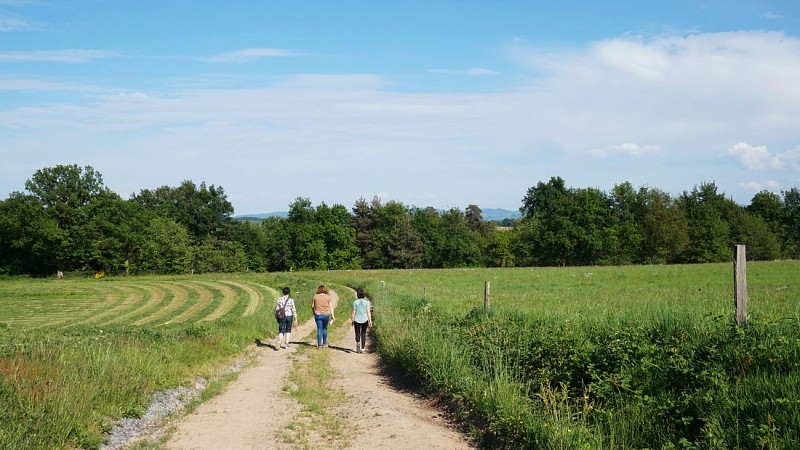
<point x="627" y="149"/>
<point x="757" y="186"/>
<point x="773" y="186"/>
<point x="19" y="82"/>
<point x="471" y="72"/>
<point x="791" y="158"/>
<point x="631" y="149"/>
<point x="12" y="23"/>
<point x="677" y="99"/>
<point x="60" y="56"/>
<point x="252" y="54"/>
<point x="760" y="158"/>
<point x="754" y="157"/>
<point x="754" y="186"/>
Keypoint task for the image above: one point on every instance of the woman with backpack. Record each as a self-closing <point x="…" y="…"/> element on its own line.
<point x="285" y="314"/>
<point x="361" y="318"/>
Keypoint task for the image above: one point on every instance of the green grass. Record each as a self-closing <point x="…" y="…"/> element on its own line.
<point x="63" y="382"/>
<point x="584" y="358"/>
<point x="600" y="357"/>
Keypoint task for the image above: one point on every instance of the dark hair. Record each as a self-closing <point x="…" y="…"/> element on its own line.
<point x="360" y="293"/>
<point x="286" y="291"/>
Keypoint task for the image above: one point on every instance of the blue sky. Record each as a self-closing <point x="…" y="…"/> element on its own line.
<point x="437" y="103"/>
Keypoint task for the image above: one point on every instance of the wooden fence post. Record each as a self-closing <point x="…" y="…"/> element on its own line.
<point x="486" y="296"/>
<point x="740" y="284"/>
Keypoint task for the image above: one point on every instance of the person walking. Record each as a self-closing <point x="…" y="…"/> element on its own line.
<point x="285" y="314"/>
<point x="361" y="318"/>
<point x="322" y="308"/>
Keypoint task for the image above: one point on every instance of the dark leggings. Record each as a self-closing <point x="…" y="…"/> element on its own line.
<point x="361" y="333"/>
<point x="285" y="325"/>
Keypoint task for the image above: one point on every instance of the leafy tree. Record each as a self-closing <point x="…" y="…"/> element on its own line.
<point x="204" y="211"/>
<point x="306" y="244"/>
<point x="167" y="249"/>
<point x="254" y="240"/>
<point x="708" y="214"/>
<point x="459" y="246"/>
<point x="591" y="216"/>
<point x="524" y="242"/>
<point x="28" y="237"/>
<point x="405" y="248"/>
<point x="754" y="232"/>
<point x="114" y="230"/>
<point x="626" y="234"/>
<point x="665" y="228"/>
<point x="549" y="204"/>
<point x="791" y="202"/>
<point x="215" y="255"/>
<point x="484" y="231"/>
<point x="65" y="193"/>
<point x="362" y="224"/>
<point x="321" y="238"/>
<point x="426" y="222"/>
<point x="65" y="190"/>
<point x="341" y="251"/>
<point x="385" y="246"/>
<point x="498" y="252"/>
<point x="572" y="225"/>
<point x="473" y="215"/>
<point x="276" y="252"/>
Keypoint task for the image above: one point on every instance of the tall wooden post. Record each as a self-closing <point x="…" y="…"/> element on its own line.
<point x="740" y="284"/>
<point x="486" y="296"/>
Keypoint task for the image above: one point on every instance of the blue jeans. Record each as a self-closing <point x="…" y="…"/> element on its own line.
<point x="322" y="328"/>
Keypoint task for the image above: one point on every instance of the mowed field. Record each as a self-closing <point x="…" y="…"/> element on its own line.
<point x="565" y="358"/>
<point x="32" y="304"/>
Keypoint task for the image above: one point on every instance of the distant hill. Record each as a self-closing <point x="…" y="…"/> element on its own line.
<point x="489" y="214"/>
<point x="498" y="214"/>
<point x="260" y="217"/>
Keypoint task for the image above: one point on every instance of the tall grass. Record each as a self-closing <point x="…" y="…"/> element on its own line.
<point x="634" y="357"/>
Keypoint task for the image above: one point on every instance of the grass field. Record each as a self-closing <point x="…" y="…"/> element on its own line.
<point x="31" y="304"/>
<point x="600" y="357"/>
<point x="583" y="358"/>
<point x="77" y="353"/>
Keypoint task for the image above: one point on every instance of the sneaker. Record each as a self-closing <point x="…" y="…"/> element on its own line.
<point x="287" y="345"/>
<point x="319" y="347"/>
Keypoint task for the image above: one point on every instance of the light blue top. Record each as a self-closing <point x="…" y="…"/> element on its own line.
<point x="361" y="306"/>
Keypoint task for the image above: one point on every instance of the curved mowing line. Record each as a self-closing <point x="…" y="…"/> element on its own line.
<point x="113" y="295"/>
<point x="202" y="299"/>
<point x="134" y="297"/>
<point x="226" y="303"/>
<point x="256" y="298"/>
<point x="152" y="299"/>
<point x="243" y="298"/>
<point x="31" y="314"/>
<point x="172" y="298"/>
<point x="180" y="300"/>
<point x="272" y="292"/>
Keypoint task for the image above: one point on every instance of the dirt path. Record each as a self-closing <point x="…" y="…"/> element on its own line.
<point x="253" y="410"/>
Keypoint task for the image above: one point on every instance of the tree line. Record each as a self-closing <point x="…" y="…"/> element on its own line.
<point x="68" y="220"/>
